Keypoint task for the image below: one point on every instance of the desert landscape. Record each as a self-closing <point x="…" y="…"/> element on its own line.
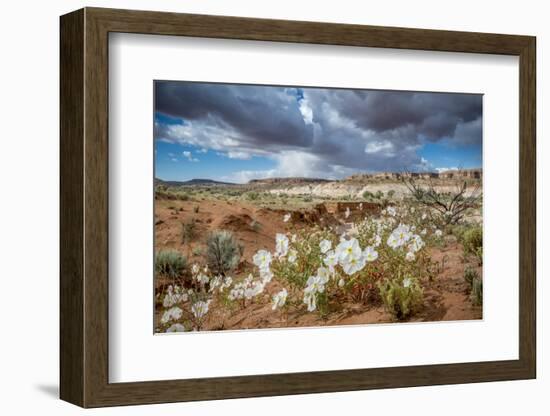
<point x="302" y="252"/>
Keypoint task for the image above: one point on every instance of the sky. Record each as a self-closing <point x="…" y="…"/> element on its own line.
<point x="235" y="132"/>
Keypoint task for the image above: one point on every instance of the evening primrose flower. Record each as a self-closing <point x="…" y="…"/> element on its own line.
<point x="416" y="243"/>
<point x="172" y="314"/>
<point x="170" y="299"/>
<point x="279" y="299"/>
<point x="281" y="245"/>
<point x="323" y="274"/>
<point x="438" y="233"/>
<point x="370" y="254"/>
<point x="200" y="308"/>
<point x="176" y="328"/>
<point x="310" y="299"/>
<point x="262" y="259"/>
<point x="393" y="241"/>
<point x="292" y="256"/>
<point x="325" y="245"/>
<point x="399" y="236"/>
<point x="331" y="259"/>
<point x="254" y="290"/>
<point x="315" y="284"/>
<point x="202" y="279"/>
<point x="352" y="265"/>
<point x="348" y="249"/>
<point x="266" y="276"/>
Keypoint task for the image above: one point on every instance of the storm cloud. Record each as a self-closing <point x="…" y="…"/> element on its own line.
<point x="317" y="131"/>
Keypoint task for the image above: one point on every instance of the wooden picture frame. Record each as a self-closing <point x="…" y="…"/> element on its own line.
<point x="84" y="207"/>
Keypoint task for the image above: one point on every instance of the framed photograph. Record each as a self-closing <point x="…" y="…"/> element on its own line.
<point x="256" y="207"/>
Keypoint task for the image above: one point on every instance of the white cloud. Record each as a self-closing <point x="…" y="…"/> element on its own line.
<point x="383" y="146"/>
<point x="189" y="156"/>
<point x="238" y="155"/>
<point x="441" y="170"/>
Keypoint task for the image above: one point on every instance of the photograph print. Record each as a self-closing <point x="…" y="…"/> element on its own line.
<point x="289" y="206"/>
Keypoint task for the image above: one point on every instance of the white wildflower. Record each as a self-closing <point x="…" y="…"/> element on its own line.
<point x="200" y="308"/>
<point x="262" y="259"/>
<point x="410" y="256"/>
<point x="281" y="245"/>
<point x="176" y="328"/>
<point x="292" y="256"/>
<point x="172" y="314"/>
<point x="416" y="243"/>
<point x="347" y="213"/>
<point x="325" y="245"/>
<point x="407" y="282"/>
<point x="202" y="279"/>
<point x="286" y="217"/>
<point x="323" y="274"/>
<point x="315" y="284"/>
<point x="370" y="254"/>
<point x="348" y="249"/>
<point x="352" y="265"/>
<point x="310" y="299"/>
<point x="331" y="259"/>
<point x="391" y="211"/>
<point x="279" y="299"/>
<point x="438" y="233"/>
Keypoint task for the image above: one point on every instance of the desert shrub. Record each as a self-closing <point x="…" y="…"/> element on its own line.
<point x="188" y="230"/>
<point x="307" y="199"/>
<point x="368" y="195"/>
<point x="379" y="194"/>
<point x="252" y="196"/>
<point x="197" y="251"/>
<point x="472" y="241"/>
<point x="457" y="230"/>
<point x="182" y="196"/>
<point x="170" y="263"/>
<point x="476" y="295"/>
<point x="222" y="252"/>
<point x="390" y="193"/>
<point x="401" y="297"/>
<point x="470" y="275"/>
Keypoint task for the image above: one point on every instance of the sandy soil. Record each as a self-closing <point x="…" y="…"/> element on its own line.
<point x="446" y="298"/>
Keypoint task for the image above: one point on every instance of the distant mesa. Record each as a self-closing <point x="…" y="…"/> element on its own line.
<point x="448" y="174"/>
<point x="192" y="182"/>
<point x="359" y="177"/>
<point x="286" y="181"/>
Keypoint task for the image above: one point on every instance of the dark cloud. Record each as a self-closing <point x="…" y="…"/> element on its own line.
<point x="340" y="131"/>
<point x="271" y="115"/>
